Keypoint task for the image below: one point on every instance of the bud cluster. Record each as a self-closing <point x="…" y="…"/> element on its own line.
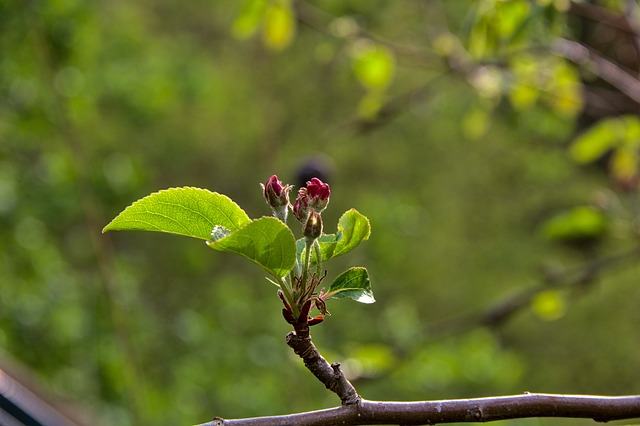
<point x="311" y="200"/>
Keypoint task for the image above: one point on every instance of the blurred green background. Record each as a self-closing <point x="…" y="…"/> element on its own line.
<point x="446" y="123"/>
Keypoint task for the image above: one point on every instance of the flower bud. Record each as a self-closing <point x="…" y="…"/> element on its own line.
<point x="301" y="206"/>
<point x="318" y="193"/>
<point x="315" y="196"/>
<point x="277" y="196"/>
<point x="312" y="229"/>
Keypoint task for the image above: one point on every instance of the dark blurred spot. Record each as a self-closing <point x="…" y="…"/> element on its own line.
<point x="316" y="166"/>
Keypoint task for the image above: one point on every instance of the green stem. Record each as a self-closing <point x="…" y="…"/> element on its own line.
<point x="307" y="262"/>
<point x="316" y="247"/>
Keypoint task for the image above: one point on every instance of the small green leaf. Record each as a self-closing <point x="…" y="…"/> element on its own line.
<point x="192" y="212"/>
<point x="373" y="65"/>
<point x="624" y="164"/>
<point x="549" y="305"/>
<point x="279" y="26"/>
<point x="597" y="140"/>
<point x="327" y="244"/>
<point x="577" y="224"/>
<point x="632" y="131"/>
<point x="267" y="242"/>
<point x="353" y="284"/>
<point x="353" y="228"/>
<point x="512" y="18"/>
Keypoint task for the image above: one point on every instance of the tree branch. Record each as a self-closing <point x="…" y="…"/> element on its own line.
<point x="499" y="312"/>
<point x="329" y="374"/>
<point x="598" y="408"/>
<point x="612" y="73"/>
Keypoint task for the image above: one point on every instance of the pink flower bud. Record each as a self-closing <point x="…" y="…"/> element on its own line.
<point x="318" y="193"/>
<point x="301" y="206"/>
<point x="275" y="192"/>
<point x="315" y="196"/>
<point x="277" y="196"/>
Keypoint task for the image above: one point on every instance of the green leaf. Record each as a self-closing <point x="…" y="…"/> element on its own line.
<point x="327" y="244"/>
<point x="267" y="242"/>
<point x="353" y="284"/>
<point x="353" y="228"/>
<point x="192" y="212"/>
<point x="373" y="65"/>
<point x="597" y="140"/>
<point x="564" y="89"/>
<point x="512" y="17"/>
<point x="624" y="164"/>
<point x="577" y="224"/>
<point x="279" y="26"/>
<point x="632" y="131"/>
<point x="549" y="305"/>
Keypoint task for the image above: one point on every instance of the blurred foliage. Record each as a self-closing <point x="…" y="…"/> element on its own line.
<point x="451" y="125"/>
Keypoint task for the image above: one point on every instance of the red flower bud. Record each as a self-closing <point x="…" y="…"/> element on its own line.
<point x="277" y="196"/>
<point x="301" y="206"/>
<point x="314" y="196"/>
<point x="318" y="193"/>
<point x="275" y="192"/>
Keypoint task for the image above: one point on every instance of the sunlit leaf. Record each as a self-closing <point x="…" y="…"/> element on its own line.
<point x="279" y="25"/>
<point x="192" y="212"/>
<point x="353" y="284"/>
<point x="510" y="17"/>
<point x="373" y="65"/>
<point x="523" y="96"/>
<point x="596" y="141"/>
<point x="353" y="228"/>
<point x="547" y="79"/>
<point x="564" y="89"/>
<point x="498" y="25"/>
<point x="578" y="223"/>
<point x="624" y="164"/>
<point x="267" y="242"/>
<point x="479" y="42"/>
<point x="631" y="137"/>
<point x="524" y="92"/>
<point x="549" y="305"/>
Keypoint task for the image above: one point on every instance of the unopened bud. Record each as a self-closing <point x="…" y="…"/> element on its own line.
<point x="314" y="196"/>
<point x="312" y="229"/>
<point x="277" y="196"/>
<point x="301" y="206"/>
<point x="318" y="193"/>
